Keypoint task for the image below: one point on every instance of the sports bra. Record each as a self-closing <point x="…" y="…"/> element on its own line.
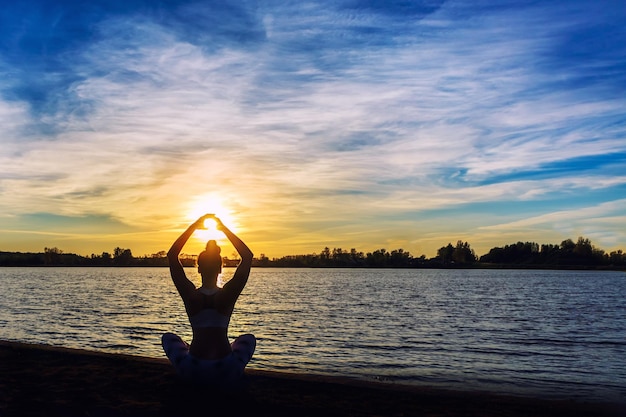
<point x="209" y="316"/>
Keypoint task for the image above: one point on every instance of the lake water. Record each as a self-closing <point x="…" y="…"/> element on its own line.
<point x="557" y="334"/>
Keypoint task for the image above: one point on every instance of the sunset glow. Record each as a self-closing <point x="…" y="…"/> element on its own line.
<point x="211" y="204"/>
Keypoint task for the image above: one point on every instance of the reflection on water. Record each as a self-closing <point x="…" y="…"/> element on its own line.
<point x="556" y="333"/>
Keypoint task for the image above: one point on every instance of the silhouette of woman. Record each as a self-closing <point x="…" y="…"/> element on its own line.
<point x="210" y="359"/>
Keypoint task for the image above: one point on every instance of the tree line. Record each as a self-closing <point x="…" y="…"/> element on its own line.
<point x="567" y="254"/>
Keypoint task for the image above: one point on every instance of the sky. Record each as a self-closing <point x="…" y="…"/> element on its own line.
<point x="310" y="124"/>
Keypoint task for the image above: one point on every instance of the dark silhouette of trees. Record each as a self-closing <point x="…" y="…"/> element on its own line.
<point x="52" y="256"/>
<point x="263" y="260"/>
<point x="337" y="257"/>
<point x="548" y="254"/>
<point x="21" y="259"/>
<point x="444" y="254"/>
<point x="379" y="258"/>
<point x="520" y="253"/>
<point x="586" y="253"/>
<point x="56" y="257"/>
<point x="461" y="254"/>
<point x="567" y="254"/>
<point x="343" y="258"/>
<point x="122" y="257"/>
<point x="617" y="258"/>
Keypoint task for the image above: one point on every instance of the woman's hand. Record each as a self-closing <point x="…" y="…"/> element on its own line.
<point x="218" y="223"/>
<point x="199" y="224"/>
<point x="177" y="246"/>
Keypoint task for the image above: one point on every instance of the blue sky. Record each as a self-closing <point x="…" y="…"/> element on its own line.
<point x="352" y="124"/>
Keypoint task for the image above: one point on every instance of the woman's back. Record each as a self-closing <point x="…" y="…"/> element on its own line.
<point x="209" y="324"/>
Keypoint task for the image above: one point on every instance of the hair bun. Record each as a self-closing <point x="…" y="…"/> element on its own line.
<point x="211" y="246"/>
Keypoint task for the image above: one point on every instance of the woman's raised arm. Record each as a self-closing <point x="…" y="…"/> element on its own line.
<point x="236" y="284"/>
<point x="183" y="285"/>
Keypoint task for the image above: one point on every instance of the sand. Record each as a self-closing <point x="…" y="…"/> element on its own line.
<point x="38" y="380"/>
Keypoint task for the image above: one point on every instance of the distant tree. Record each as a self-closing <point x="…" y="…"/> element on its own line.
<point x="617" y="258"/>
<point x="549" y="254"/>
<point x="106" y="258"/>
<point x="580" y="253"/>
<point x="445" y="253"/>
<point x="517" y="253"/>
<point x="400" y="258"/>
<point x="344" y="258"/>
<point x="568" y="253"/>
<point x="52" y="256"/>
<point x="358" y="258"/>
<point x="262" y="260"/>
<point x="583" y="248"/>
<point x="379" y="258"/>
<point x="325" y="253"/>
<point x="122" y="257"/>
<point x="463" y="253"/>
<point x="567" y="247"/>
<point x="495" y="255"/>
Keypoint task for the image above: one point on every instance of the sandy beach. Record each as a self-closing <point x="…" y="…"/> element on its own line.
<point x="40" y="380"/>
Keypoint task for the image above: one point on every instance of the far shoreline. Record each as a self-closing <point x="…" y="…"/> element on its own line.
<point x="439" y="267"/>
<point x="568" y="255"/>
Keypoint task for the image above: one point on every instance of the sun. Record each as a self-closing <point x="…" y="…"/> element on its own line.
<point x="211" y="203"/>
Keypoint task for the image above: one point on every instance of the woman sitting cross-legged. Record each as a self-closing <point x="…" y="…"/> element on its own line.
<point x="210" y="358"/>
